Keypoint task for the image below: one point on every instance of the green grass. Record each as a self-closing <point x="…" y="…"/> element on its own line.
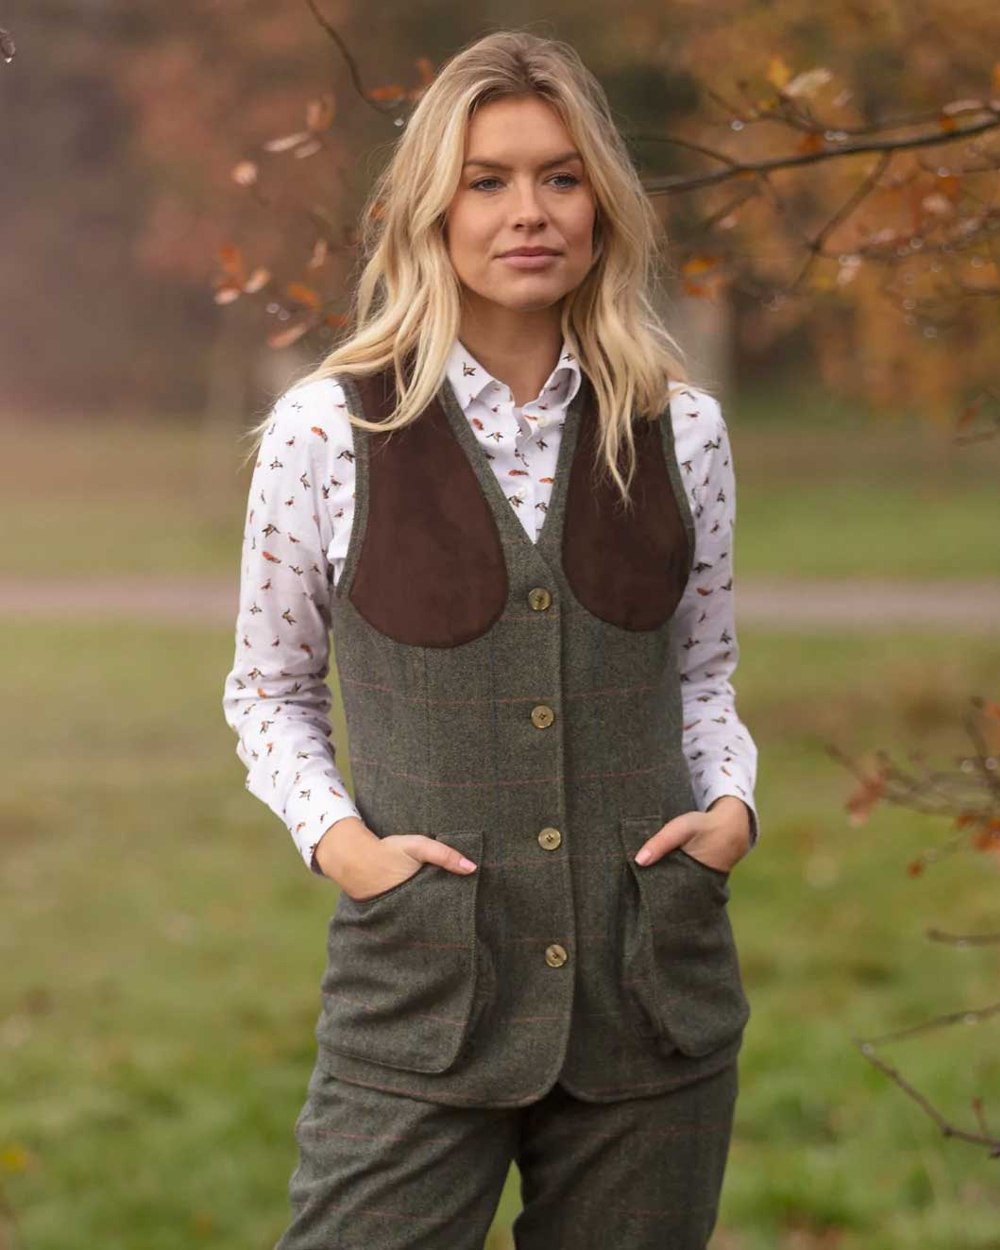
<point x="823" y="490"/>
<point x="163" y="945"/>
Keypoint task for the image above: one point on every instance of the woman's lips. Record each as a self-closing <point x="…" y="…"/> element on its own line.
<point x="530" y="262"/>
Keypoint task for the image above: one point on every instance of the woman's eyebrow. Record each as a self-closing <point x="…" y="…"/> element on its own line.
<point x="556" y="160"/>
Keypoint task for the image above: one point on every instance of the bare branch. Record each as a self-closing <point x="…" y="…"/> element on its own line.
<point x="962" y="939"/>
<point x="345" y="52"/>
<point x="986" y="763"/>
<point x="670" y="184"/>
<point x="947" y="1128"/>
<point x="971" y="1015"/>
<point x="859" y="194"/>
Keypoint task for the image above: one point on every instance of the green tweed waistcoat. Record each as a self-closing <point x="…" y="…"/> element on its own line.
<point x="521" y="702"/>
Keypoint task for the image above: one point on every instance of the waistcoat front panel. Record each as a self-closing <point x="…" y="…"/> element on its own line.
<point x="521" y="701"/>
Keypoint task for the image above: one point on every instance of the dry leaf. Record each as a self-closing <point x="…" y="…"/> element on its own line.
<point x="286" y="141"/>
<point x="320" y="112"/>
<point x="291" y="334"/>
<point x="303" y="294"/>
<point x="777" y="73"/>
<point x="387" y="93"/>
<point x="808" y="82"/>
<point x="245" y="173"/>
<point x="259" y="278"/>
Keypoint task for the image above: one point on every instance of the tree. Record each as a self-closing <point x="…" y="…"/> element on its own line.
<point x="853" y="212"/>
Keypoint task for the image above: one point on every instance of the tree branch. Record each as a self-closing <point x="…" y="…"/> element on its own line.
<point x="345" y="52"/>
<point x="947" y="1128"/>
<point x="669" y="184"/>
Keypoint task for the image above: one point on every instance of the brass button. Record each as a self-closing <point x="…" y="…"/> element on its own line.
<point x="549" y="838"/>
<point x="555" y="955"/>
<point x="542" y="716"/>
<point x="539" y="598"/>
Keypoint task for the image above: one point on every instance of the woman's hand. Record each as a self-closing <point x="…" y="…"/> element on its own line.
<point x="719" y="837"/>
<point x="363" y="864"/>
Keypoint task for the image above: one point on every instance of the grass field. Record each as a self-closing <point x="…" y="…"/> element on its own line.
<point x="163" y="945"/>
<point x="163" y="942"/>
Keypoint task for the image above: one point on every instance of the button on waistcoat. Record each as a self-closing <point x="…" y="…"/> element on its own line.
<point x="521" y="702"/>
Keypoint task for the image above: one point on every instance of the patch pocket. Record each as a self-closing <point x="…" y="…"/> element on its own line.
<point x="403" y="967"/>
<point x="721" y="873"/>
<point x="680" y="959"/>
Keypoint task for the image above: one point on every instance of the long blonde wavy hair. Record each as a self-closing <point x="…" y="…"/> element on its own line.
<point x="406" y="305"/>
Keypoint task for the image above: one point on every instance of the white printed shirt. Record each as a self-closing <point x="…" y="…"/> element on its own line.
<point x="298" y="524"/>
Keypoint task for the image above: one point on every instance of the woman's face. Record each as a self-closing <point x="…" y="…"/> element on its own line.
<point x="520" y="187"/>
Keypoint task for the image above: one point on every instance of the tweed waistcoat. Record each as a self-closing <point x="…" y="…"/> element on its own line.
<point x="521" y="702"/>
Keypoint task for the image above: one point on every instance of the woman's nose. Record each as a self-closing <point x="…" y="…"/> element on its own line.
<point x="528" y="205"/>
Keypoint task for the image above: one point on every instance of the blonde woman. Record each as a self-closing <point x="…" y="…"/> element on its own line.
<point x="513" y="512"/>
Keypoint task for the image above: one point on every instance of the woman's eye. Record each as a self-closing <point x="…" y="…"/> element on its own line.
<point x="573" y="180"/>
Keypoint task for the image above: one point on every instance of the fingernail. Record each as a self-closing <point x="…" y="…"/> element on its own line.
<point x="466" y="863"/>
<point x="643" y="856"/>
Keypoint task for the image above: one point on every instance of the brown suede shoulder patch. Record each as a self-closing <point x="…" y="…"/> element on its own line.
<point x="628" y="568"/>
<point x="431" y="570"/>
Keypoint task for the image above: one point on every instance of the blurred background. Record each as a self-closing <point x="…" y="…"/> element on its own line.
<point x="179" y="203"/>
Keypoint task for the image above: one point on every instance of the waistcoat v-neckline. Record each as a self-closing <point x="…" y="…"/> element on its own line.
<point x="548" y="540"/>
<point x="439" y="547"/>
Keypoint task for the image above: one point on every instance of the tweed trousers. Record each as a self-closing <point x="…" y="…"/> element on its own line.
<point x="384" y="1171"/>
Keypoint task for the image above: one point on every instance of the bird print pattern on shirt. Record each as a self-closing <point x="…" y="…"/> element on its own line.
<point x="300" y="512"/>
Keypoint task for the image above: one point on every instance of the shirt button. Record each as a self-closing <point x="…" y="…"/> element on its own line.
<point x="542" y="716"/>
<point x="549" y="838"/>
<point x="539" y="598"/>
<point x="555" y="955"/>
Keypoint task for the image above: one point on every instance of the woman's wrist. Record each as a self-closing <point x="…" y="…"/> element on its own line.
<point x="735" y="815"/>
<point x="346" y="840"/>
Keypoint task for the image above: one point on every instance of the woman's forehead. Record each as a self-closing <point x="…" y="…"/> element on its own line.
<point x="515" y="122"/>
<point x="518" y="141"/>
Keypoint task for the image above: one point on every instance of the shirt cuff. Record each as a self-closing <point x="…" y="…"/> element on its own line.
<point x="313" y="817"/>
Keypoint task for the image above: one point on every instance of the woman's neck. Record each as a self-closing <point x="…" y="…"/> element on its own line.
<point x="520" y="351"/>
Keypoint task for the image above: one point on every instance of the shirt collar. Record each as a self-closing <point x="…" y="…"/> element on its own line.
<point x="471" y="381"/>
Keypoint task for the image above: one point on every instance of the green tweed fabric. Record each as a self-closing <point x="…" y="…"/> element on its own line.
<point x="440" y="987"/>
<point x="380" y="1171"/>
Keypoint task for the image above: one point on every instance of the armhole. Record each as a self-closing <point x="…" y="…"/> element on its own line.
<point x="676" y="479"/>
<point x="360" y="447"/>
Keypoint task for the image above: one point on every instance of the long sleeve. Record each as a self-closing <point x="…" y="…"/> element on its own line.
<point x="276" y="698"/>
<point x="720" y="750"/>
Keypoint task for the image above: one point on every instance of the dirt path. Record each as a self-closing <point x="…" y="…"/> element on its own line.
<point x="959" y="607"/>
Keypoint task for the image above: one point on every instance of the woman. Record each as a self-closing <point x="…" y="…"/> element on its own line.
<point x="515" y="514"/>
